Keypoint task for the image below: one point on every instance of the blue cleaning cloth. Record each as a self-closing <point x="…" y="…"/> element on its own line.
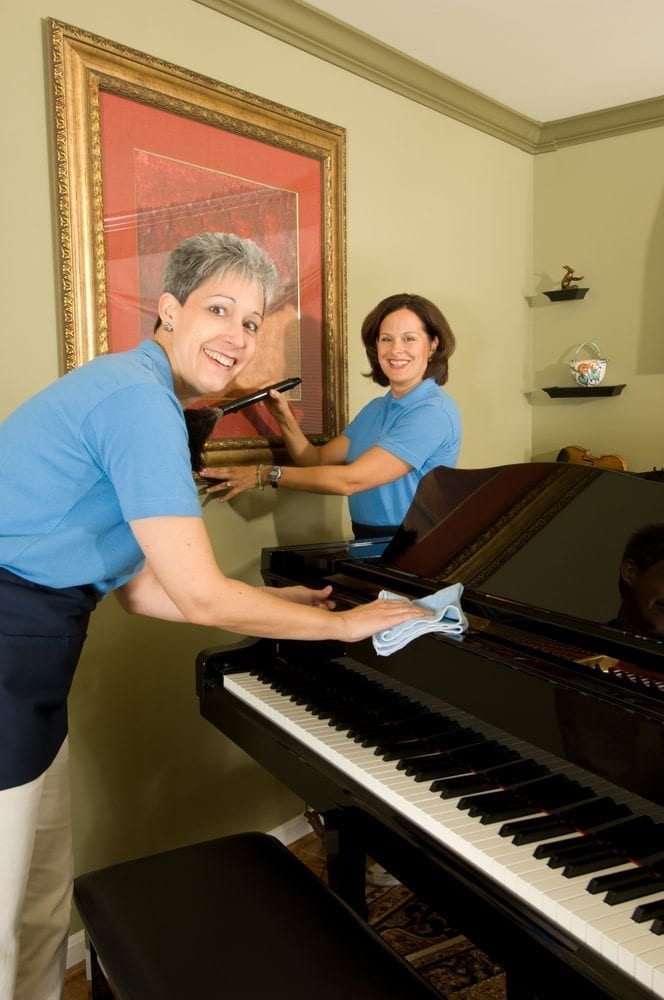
<point x="447" y="617"/>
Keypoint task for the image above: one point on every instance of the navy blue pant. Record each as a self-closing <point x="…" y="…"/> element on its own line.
<point x="42" y="631"/>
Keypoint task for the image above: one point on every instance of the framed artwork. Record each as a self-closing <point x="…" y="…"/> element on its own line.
<point x="147" y="153"/>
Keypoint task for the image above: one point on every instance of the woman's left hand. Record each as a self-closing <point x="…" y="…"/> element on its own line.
<point x="229" y="481"/>
<point x="305" y="595"/>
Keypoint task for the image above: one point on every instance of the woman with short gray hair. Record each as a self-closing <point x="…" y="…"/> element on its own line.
<point x="89" y="506"/>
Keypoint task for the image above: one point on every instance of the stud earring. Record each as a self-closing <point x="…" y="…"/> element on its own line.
<point x="168" y="328"/>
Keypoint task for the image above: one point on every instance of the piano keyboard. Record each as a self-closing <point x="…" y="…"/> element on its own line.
<point x="474" y="823"/>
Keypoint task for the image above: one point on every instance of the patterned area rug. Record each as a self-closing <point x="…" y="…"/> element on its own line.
<point x="451" y="963"/>
<point x="443" y="956"/>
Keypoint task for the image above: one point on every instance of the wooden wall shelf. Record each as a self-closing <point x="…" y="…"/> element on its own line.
<point x="563" y="294"/>
<point x="557" y="391"/>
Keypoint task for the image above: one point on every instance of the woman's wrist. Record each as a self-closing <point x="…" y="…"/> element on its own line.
<point x="260" y="483"/>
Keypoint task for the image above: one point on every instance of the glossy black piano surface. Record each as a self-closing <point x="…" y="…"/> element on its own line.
<point x="544" y="675"/>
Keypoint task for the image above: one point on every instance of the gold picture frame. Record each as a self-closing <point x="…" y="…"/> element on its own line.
<point x="230" y="156"/>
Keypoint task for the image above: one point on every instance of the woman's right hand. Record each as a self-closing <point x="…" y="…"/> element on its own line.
<point x="277" y="405"/>
<point x="367" y="619"/>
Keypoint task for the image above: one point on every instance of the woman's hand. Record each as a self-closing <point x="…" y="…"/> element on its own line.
<point x="304" y="595"/>
<point x="230" y="480"/>
<point x="378" y="616"/>
<point x="362" y="621"/>
<point x="278" y="406"/>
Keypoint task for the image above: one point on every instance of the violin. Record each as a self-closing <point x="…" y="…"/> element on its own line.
<point x="577" y="455"/>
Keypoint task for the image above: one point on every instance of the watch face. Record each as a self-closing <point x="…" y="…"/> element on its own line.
<point x="274" y="474"/>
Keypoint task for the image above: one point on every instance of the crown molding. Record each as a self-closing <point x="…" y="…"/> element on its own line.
<point x="620" y="120"/>
<point x="318" y="34"/>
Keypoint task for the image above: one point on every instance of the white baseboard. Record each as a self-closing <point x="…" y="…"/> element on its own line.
<point x="292" y="830"/>
<point x="75" y="949"/>
<point x="287" y="833"/>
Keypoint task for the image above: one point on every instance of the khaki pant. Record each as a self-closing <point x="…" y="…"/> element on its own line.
<point x="36" y="873"/>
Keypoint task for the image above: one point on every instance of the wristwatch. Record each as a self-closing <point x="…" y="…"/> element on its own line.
<point x="274" y="475"/>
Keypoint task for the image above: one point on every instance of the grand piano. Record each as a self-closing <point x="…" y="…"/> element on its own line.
<point x="512" y="776"/>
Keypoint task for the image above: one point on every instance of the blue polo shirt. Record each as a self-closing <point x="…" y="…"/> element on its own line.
<point x="101" y="446"/>
<point x="422" y="428"/>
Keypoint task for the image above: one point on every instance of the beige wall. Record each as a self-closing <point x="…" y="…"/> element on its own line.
<point x="600" y="207"/>
<point x="433" y="207"/>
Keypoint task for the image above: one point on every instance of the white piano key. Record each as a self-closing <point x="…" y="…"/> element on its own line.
<point x="637" y="949"/>
<point x="649" y="969"/>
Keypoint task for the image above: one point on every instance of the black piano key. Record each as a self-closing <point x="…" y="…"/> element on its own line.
<point x="453" y="741"/>
<point x="385" y="719"/>
<point x="443" y="748"/>
<point x="587" y="847"/>
<point x="610" y="847"/>
<point x="415" y="745"/>
<point x="358" y="720"/>
<point x="594" y="861"/>
<point x="447" y="765"/>
<point x="648" y="911"/>
<point x="475" y="757"/>
<point x="533" y="830"/>
<point x="658" y="926"/>
<point x="417" y="727"/>
<point x="635" y="890"/>
<point x="555" y="791"/>
<point x="576" y="817"/>
<point x="629" y="884"/>
<point x="531" y="797"/>
<point x="462" y="761"/>
<point x="510" y="806"/>
<point x="624" y="835"/>
<point x="362" y="725"/>
<point x="615" y="880"/>
<point x="504" y="776"/>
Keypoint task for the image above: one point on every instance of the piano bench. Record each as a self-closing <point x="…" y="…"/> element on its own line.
<point x="238" y="917"/>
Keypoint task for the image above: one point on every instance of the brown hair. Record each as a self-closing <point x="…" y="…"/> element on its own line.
<point x="433" y="322"/>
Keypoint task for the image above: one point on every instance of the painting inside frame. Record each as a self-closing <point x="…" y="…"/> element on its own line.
<point x="152" y="153"/>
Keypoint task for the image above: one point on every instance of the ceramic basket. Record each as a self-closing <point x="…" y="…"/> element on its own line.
<point x="588" y="371"/>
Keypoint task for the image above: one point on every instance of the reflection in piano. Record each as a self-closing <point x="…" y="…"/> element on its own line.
<point x="512" y="776"/>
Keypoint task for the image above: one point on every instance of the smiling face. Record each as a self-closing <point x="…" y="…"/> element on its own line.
<point x="403" y="347"/>
<point x="213" y="335"/>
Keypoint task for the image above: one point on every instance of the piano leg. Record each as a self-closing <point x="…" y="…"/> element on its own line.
<point x="346" y="861"/>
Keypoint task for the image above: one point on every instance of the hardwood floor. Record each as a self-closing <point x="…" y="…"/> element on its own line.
<point x="76" y="985"/>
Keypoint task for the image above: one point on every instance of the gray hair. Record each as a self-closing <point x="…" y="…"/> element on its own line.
<point x="206" y="255"/>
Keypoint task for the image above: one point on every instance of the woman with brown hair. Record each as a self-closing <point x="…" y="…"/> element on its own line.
<point x="381" y="456"/>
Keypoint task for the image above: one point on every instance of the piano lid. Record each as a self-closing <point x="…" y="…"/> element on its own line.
<point x="544" y="534"/>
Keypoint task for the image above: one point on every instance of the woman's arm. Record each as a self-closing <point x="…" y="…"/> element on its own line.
<point x="182" y="582"/>
<point x="300" y="449"/>
<point x="374" y="468"/>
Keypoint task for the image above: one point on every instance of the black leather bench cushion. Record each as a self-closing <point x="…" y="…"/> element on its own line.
<point x="235" y="918"/>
